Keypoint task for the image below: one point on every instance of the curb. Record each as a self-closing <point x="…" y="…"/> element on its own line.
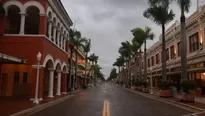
<point x="166" y="100"/>
<point x="41" y="107"/>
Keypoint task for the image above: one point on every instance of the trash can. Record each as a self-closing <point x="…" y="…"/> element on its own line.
<point x="174" y="91"/>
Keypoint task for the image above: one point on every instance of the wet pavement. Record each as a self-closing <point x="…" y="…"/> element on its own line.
<point x="122" y="103"/>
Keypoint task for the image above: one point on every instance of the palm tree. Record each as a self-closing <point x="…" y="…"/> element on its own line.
<point x="184" y="6"/>
<point x="160" y="14"/>
<point x="119" y="63"/>
<point x="94" y="59"/>
<point x="86" y="50"/>
<point x="71" y="46"/>
<point x="142" y="36"/>
<point x="126" y="51"/>
<point x="76" y="42"/>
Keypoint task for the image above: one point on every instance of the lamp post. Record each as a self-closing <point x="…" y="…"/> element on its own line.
<point x="151" y="84"/>
<point x="36" y="101"/>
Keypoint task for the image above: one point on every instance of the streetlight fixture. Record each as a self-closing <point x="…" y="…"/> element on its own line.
<point x="151" y="84"/>
<point x="36" y="101"/>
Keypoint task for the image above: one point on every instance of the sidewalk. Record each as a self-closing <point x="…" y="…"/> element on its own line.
<point x="12" y="105"/>
<point x="198" y="105"/>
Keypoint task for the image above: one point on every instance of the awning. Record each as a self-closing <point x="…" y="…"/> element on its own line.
<point x="7" y="59"/>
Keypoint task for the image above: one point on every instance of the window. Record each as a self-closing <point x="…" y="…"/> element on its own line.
<point x="172" y="51"/>
<point x="148" y="62"/>
<point x="194" y="42"/>
<point x="167" y="54"/>
<point x="16" y="77"/>
<point x="25" y="78"/>
<point x="157" y="59"/>
<point x="32" y="20"/>
<point x="152" y="60"/>
<point x="179" y="48"/>
<point x="13" y="20"/>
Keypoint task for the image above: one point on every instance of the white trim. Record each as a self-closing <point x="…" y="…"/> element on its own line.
<point x="34" y="3"/>
<point x="46" y="59"/>
<point x="55" y="9"/>
<point x="40" y="99"/>
<point x="15" y="3"/>
<point x="57" y="61"/>
<point x="49" y="10"/>
<point x="64" y="93"/>
<point x="12" y="58"/>
<point x="35" y="66"/>
<point x="64" y="65"/>
<point x="25" y="35"/>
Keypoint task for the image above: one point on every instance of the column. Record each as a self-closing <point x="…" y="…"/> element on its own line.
<point x="54" y="34"/>
<point x="64" y="82"/>
<point x="22" y="26"/>
<point x="58" y="37"/>
<point x="50" y="29"/>
<point x="64" y="43"/>
<point x="51" y="77"/>
<point x="58" y="92"/>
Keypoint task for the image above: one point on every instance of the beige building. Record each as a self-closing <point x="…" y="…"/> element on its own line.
<point x="195" y="51"/>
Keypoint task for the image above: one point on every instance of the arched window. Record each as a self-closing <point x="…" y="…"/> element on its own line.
<point x="54" y="24"/>
<point x="32" y="20"/>
<point x="58" y="26"/>
<point x="13" y="20"/>
<point x="48" y="21"/>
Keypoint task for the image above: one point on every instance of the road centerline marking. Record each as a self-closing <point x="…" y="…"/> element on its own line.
<point x="106" y="111"/>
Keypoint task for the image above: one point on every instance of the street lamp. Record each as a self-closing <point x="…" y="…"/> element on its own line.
<point x="151" y="85"/>
<point x="36" y="101"/>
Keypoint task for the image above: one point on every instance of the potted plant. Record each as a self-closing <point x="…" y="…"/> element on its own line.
<point x="140" y="85"/>
<point x="145" y="88"/>
<point x="165" y="89"/>
<point x="188" y="90"/>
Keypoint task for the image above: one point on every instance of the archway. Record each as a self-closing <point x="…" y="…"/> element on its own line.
<point x="32" y="20"/>
<point x="48" y="76"/>
<point x="49" y="20"/>
<point x="57" y="79"/>
<point x="13" y="20"/>
<point x="46" y="79"/>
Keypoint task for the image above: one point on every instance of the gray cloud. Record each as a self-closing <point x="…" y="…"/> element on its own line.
<point x="108" y="23"/>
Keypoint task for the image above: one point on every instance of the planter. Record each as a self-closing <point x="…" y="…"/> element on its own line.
<point x="188" y="97"/>
<point x="140" y="88"/>
<point x="145" y="90"/>
<point x="165" y="93"/>
<point x="133" y="87"/>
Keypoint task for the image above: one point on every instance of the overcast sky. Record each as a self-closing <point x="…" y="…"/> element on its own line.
<point x="108" y="23"/>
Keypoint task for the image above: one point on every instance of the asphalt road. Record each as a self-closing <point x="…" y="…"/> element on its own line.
<point x="122" y="103"/>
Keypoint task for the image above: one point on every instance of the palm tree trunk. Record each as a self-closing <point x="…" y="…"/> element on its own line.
<point x="130" y="75"/>
<point x="164" y="76"/>
<point x="140" y="64"/>
<point x="76" y="66"/>
<point x="183" y="47"/>
<point x="70" y="69"/>
<point x="86" y="59"/>
<point x="145" y="60"/>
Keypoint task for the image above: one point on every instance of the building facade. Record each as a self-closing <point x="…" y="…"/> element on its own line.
<point x="195" y="31"/>
<point x="27" y="28"/>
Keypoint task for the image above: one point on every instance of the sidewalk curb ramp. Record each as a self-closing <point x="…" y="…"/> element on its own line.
<point x="40" y="107"/>
<point x="190" y="107"/>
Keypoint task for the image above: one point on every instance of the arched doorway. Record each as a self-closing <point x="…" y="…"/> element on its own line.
<point x="13" y="20"/>
<point x="32" y="20"/>
<point x="46" y="80"/>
